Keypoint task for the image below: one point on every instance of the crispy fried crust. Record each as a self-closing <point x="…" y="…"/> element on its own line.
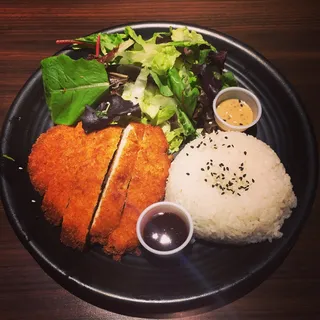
<point x="146" y="187"/>
<point x="60" y="186"/>
<point x="47" y="156"/>
<point x="96" y="154"/>
<point x="110" y="208"/>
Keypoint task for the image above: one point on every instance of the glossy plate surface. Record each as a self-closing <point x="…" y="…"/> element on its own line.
<point x="208" y="275"/>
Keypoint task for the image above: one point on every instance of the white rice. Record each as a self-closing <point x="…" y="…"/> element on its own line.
<point x="237" y="215"/>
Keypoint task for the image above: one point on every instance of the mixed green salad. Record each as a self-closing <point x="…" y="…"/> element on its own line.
<point x="169" y="80"/>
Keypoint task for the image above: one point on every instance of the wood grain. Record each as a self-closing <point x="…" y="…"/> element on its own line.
<point x="285" y="32"/>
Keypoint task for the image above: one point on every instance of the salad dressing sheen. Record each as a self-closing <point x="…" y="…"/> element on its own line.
<point x="235" y="112"/>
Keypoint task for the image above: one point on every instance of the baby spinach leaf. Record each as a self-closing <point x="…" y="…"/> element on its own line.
<point x="70" y="85"/>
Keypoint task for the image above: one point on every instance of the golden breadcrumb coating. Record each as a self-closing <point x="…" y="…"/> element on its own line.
<point x="96" y="154"/>
<point x="146" y="187"/>
<point x="112" y="201"/>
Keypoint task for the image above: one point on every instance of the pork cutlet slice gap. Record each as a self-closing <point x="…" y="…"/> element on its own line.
<point x="146" y="187"/>
<point x="96" y="155"/>
<point x="108" y="213"/>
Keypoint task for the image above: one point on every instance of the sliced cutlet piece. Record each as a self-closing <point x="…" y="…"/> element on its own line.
<point x="60" y="186"/>
<point x="146" y="187"/>
<point x="108" y="214"/>
<point x="46" y="157"/>
<point x="97" y="152"/>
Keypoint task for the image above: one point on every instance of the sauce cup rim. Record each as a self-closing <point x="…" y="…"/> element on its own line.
<point x="160" y="204"/>
<point x="246" y="91"/>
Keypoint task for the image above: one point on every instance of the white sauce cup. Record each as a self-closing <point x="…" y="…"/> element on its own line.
<point x="154" y="209"/>
<point x="242" y="94"/>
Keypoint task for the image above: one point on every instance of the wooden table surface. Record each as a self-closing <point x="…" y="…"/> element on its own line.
<point x="285" y="32"/>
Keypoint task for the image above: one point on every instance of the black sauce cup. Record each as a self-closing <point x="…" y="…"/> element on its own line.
<point x="155" y="209"/>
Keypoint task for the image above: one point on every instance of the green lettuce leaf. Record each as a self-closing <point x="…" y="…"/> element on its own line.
<point x="153" y="102"/>
<point x="228" y="80"/>
<point x="183" y="37"/>
<point x="183" y="85"/>
<point x="185" y="124"/>
<point x="159" y="59"/>
<point x="70" y="85"/>
<point x="164" y="59"/>
<point x="174" y="138"/>
<point x="134" y="91"/>
<point x="165" y="114"/>
<point x="107" y="41"/>
<point x="162" y="84"/>
<point x="137" y="38"/>
<point x="184" y="34"/>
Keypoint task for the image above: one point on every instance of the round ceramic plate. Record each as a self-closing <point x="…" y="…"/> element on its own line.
<point x="207" y="275"/>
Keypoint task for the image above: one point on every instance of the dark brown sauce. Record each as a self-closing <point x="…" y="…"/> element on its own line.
<point x="165" y="231"/>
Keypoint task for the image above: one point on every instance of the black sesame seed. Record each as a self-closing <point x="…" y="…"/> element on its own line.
<point x="234" y="174"/>
<point x="245" y="153"/>
<point x="222" y="193"/>
<point x="241" y="164"/>
<point x="223" y="144"/>
<point x="230" y="183"/>
<point x="191" y="147"/>
<point x="212" y="186"/>
<point x="205" y="180"/>
<point x="241" y="105"/>
<point x="228" y="146"/>
<point x="187" y="154"/>
<point x="224" y="169"/>
<point x="239" y="100"/>
<point x="204" y="144"/>
<point x="208" y="167"/>
<point x="227" y="168"/>
<point x="239" y="194"/>
<point x="240" y="178"/>
<point x="226" y="137"/>
<point x="253" y="180"/>
<point x="212" y="174"/>
<point x="232" y="146"/>
<point x="217" y="184"/>
<point x="241" y="124"/>
<point x="244" y="175"/>
<point x="188" y="174"/>
<point x="202" y="169"/>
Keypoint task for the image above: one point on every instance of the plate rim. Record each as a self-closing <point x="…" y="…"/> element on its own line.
<point x="278" y="255"/>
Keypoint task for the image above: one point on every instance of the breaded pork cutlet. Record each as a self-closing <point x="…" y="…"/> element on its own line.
<point x="97" y="152"/>
<point x="146" y="187"/>
<point x="108" y="214"/>
<point x="60" y="186"/>
<point x="47" y="156"/>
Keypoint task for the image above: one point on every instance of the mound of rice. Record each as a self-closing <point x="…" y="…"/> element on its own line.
<point x="234" y="186"/>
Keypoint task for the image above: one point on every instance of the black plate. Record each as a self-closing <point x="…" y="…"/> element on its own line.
<point x="211" y="274"/>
